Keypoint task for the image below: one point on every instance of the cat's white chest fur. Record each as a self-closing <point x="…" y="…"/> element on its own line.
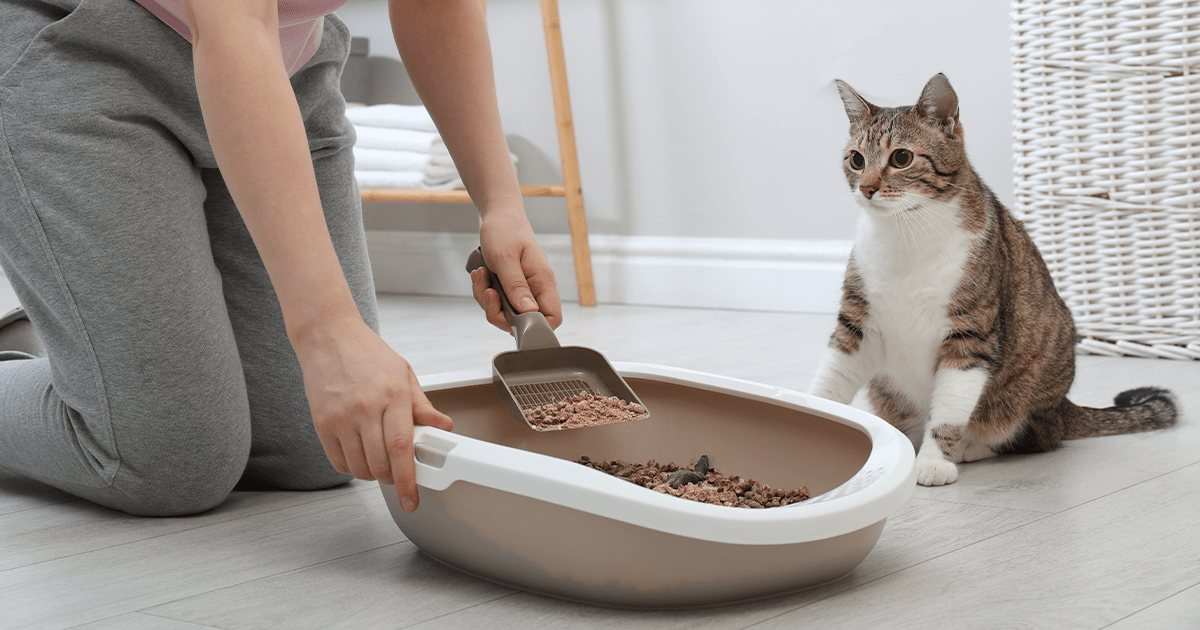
<point x="911" y="263"/>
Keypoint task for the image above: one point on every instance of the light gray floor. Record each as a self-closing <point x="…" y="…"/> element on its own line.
<point x="1104" y="533"/>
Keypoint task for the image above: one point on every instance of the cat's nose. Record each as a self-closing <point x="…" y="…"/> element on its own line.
<point x="867" y="191"/>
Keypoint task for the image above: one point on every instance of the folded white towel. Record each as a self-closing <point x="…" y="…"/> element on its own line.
<point x="436" y="171"/>
<point x="400" y="140"/>
<point x="390" y="116"/>
<point x="396" y="158"/>
<point x="401" y="180"/>
<point x="386" y="160"/>
<point x="437" y="175"/>
<point x="408" y="180"/>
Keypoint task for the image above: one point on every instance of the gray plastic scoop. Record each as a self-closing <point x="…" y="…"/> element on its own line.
<point x="540" y="371"/>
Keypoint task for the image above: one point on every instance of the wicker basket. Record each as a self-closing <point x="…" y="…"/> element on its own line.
<point x="1107" y="165"/>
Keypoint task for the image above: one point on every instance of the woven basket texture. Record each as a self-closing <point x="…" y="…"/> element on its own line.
<point x="1107" y="166"/>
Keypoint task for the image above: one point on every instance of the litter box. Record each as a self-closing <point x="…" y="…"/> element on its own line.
<point x="509" y="504"/>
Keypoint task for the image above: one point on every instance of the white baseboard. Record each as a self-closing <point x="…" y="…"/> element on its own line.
<point x="751" y="274"/>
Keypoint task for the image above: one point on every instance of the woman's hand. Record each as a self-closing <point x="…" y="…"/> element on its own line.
<point x="513" y="254"/>
<point x="365" y="400"/>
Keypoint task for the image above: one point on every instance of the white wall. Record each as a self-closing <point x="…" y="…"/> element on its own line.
<point x="718" y="119"/>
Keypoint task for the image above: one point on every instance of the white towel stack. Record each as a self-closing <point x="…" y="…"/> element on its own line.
<point x="398" y="147"/>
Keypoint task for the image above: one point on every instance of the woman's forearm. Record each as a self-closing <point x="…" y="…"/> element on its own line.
<point x="364" y="397"/>
<point x="258" y="138"/>
<point x="445" y="48"/>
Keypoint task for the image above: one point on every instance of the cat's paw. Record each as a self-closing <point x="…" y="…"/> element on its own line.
<point x="936" y="472"/>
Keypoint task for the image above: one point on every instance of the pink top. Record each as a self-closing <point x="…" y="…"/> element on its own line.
<point x="300" y="25"/>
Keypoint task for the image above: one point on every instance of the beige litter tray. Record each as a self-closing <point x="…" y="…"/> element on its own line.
<point x="509" y="504"/>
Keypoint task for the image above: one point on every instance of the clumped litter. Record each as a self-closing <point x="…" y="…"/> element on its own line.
<point x="699" y="482"/>
<point x="582" y="410"/>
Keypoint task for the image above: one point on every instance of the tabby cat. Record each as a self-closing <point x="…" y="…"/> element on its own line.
<point x="948" y="313"/>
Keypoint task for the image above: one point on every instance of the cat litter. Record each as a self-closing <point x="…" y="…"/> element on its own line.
<point x="585" y="409"/>
<point x="698" y="482"/>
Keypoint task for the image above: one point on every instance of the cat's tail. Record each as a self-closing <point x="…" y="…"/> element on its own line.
<point x="1141" y="409"/>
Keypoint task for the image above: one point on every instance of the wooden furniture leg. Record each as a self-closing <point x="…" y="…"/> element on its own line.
<point x="576" y="217"/>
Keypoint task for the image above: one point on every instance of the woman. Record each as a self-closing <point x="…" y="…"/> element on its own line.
<point x="179" y="218"/>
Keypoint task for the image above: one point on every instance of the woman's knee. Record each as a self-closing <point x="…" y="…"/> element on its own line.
<point x="192" y="479"/>
<point x="186" y="462"/>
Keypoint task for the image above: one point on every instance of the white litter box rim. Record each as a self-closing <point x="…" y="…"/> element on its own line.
<point x="885" y="481"/>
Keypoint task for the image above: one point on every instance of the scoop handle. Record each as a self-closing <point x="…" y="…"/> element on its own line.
<point x="531" y="329"/>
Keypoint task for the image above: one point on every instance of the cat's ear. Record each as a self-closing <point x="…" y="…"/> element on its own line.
<point x="857" y="108"/>
<point x="939" y="103"/>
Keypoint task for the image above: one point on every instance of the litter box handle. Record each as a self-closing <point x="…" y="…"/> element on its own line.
<point x="443" y="458"/>
<point x="531" y="329"/>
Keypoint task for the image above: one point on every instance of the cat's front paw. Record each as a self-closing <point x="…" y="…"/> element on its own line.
<point x="935" y="472"/>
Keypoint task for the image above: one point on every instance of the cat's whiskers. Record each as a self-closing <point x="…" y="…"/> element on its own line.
<point x="905" y="212"/>
<point x="908" y="236"/>
<point x="915" y="220"/>
<point x="929" y="214"/>
<point x="910" y="213"/>
<point x="914" y="246"/>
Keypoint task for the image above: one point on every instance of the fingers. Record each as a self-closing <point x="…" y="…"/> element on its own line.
<point x="398" y="436"/>
<point x="398" y="421"/>
<point x="528" y="282"/>
<point x="356" y="460"/>
<point x="516" y="286"/>
<point x="352" y="454"/>
<point x="375" y="452"/>
<point x="545" y="290"/>
<point x="423" y="411"/>
<point x="488" y="299"/>
<point x="334" y="453"/>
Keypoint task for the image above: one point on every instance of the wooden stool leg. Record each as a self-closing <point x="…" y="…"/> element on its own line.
<point x="570" y="160"/>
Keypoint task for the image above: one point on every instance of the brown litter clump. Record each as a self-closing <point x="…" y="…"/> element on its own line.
<point x="698" y="482"/>
<point x="582" y="410"/>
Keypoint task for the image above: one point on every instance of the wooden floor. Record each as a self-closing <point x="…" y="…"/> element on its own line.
<point x="1104" y="533"/>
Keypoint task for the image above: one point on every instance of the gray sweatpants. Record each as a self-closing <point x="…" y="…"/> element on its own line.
<point x="170" y="376"/>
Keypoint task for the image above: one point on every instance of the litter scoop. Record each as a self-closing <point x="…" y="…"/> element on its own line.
<point x="541" y="372"/>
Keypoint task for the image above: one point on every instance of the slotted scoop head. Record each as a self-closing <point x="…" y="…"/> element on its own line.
<point x="541" y="372"/>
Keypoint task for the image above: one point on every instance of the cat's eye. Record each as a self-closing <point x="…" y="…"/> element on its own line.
<point x="901" y="158"/>
<point x="857" y="161"/>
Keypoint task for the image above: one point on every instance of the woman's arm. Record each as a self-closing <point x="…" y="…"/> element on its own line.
<point x="445" y="48"/>
<point x="364" y="397"/>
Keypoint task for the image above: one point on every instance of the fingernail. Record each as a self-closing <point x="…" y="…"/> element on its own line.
<point x="407" y="504"/>
<point x="527" y="304"/>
